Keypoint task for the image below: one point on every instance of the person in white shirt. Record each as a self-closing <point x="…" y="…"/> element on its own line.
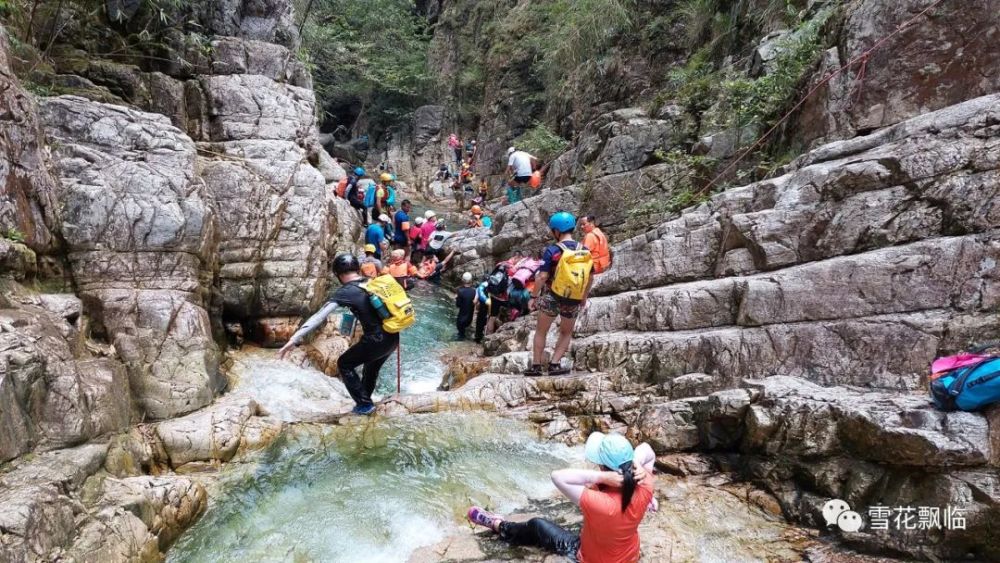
<point x="520" y="165"/>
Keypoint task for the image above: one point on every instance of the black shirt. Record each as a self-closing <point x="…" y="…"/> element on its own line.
<point x="356" y="299"/>
<point x="464" y="301"/>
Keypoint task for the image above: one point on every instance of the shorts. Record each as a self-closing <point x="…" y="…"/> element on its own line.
<point x="522" y="179"/>
<point x="552" y="306"/>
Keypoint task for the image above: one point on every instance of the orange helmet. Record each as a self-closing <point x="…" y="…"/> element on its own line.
<point x="476" y="210"/>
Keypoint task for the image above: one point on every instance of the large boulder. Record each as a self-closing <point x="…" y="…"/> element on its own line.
<point x="140" y="242"/>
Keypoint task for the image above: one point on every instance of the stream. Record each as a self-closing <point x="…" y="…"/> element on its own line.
<point x="378" y="489"/>
<point x="375" y="489"/>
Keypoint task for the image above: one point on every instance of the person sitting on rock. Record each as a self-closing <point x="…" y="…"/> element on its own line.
<point x="549" y="302"/>
<point x="479" y="218"/>
<point x="613" y="499"/>
<point x="431" y="268"/>
<point x="399" y="268"/>
<point x="375" y="346"/>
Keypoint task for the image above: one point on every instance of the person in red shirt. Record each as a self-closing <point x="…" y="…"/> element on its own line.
<point x="613" y="500"/>
<point x="427" y="229"/>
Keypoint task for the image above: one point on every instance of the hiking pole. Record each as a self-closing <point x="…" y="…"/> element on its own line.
<point x="399" y="368"/>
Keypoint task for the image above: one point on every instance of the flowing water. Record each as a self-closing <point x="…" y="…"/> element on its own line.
<point x="373" y="490"/>
<point x="377" y="488"/>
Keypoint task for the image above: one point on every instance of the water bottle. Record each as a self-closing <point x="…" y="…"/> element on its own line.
<point x="383" y="311"/>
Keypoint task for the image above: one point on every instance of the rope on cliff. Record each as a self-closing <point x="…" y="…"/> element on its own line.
<point x="863" y="58"/>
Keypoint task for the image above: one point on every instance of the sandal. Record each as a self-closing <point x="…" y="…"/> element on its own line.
<point x="534" y="371"/>
<point x="557" y="369"/>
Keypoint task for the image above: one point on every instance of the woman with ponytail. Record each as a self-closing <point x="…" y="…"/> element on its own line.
<point x="613" y="500"/>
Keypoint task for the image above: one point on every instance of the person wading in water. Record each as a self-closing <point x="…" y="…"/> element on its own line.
<point x="375" y="346"/>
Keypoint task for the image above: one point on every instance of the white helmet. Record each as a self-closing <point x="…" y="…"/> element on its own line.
<point x="466" y="277"/>
<point x="384" y="218"/>
<point x="511" y="151"/>
<point x="429" y="213"/>
<point x="418" y="221"/>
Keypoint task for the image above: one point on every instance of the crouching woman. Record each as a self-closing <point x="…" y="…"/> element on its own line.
<point x="613" y="500"/>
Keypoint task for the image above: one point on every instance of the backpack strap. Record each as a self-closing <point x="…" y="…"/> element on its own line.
<point x="958" y="384"/>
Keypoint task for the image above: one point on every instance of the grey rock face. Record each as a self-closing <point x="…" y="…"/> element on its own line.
<point x="942" y="59"/>
<point x="53" y="392"/>
<point x="28" y="202"/>
<point x="272" y="21"/>
<point x="140" y="244"/>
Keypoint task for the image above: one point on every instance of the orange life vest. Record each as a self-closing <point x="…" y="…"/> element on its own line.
<point x="369" y="270"/>
<point x="597" y="242"/>
<point x="400" y="269"/>
<point x="342" y="187"/>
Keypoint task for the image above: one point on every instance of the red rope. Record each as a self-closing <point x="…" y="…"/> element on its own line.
<point x="399" y="367"/>
<point x="862" y="57"/>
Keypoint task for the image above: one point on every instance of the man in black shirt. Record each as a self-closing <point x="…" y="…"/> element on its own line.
<point x="375" y="346"/>
<point x="465" y="301"/>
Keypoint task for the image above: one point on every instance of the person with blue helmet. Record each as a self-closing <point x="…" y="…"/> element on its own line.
<point x="550" y="305"/>
<point x="613" y="500"/>
<point x="355" y="193"/>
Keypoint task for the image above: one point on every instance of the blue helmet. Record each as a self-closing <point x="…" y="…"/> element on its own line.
<point x="359" y="171"/>
<point x="562" y="222"/>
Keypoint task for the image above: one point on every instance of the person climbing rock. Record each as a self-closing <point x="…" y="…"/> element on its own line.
<point x="465" y="301"/>
<point x="375" y="346"/>
<point x="613" y="499"/>
<point x="375" y="234"/>
<point x="478" y="218"/>
<point x="368" y="190"/>
<point x="597" y="242"/>
<point x="356" y="194"/>
<point x="520" y="165"/>
<point x="401" y="227"/>
<point x="562" y="285"/>
<point x="400" y="269"/>
<point x="458" y="192"/>
<point x="456" y="146"/>
<point x="427" y="229"/>
<point x="370" y="264"/>
<point x="470" y="151"/>
<point x="435" y="245"/>
<point x="492" y="301"/>
<point x="484" y="191"/>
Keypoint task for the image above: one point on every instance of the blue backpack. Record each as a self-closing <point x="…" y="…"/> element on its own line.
<point x="971" y="387"/>
<point x="391" y="197"/>
<point x="370" y="190"/>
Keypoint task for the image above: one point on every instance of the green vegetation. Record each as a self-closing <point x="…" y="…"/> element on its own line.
<point x="13" y="235"/>
<point x="542" y="142"/>
<point x="368" y="57"/>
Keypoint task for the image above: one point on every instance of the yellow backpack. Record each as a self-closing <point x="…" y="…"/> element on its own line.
<point x="572" y="273"/>
<point x="391" y="302"/>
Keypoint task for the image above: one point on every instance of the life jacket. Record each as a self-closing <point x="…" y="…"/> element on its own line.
<point x="599" y="249"/>
<point x="536" y="180"/>
<point x="486" y="221"/>
<point x="524" y="272"/>
<point x="341" y="190"/>
<point x="369" y="269"/>
<point x="399" y="270"/>
<point x="393" y="305"/>
<point x="572" y="273"/>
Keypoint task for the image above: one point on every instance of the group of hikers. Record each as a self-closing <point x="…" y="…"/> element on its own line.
<point x="398" y="251"/>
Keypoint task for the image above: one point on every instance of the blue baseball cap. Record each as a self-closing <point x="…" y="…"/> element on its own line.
<point x="610" y="450"/>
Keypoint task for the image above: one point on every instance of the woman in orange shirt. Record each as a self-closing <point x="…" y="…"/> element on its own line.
<point x="613" y="500"/>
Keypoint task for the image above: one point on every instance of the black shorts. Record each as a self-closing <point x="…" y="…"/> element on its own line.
<point x="522" y="179"/>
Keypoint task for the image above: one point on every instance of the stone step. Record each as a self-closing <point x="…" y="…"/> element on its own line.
<point x="884" y="351"/>
<point x="951" y="272"/>
<point x="935" y="176"/>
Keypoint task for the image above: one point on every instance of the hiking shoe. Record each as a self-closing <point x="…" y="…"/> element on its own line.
<point x="363" y="410"/>
<point x="485" y="519"/>
<point x="534" y="371"/>
<point x="557" y="369"/>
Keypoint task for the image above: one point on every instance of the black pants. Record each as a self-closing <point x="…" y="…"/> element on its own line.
<point x="546" y="534"/>
<point x="484" y="313"/>
<point x="371" y="351"/>
<point x="361" y="211"/>
<point x="462" y="323"/>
